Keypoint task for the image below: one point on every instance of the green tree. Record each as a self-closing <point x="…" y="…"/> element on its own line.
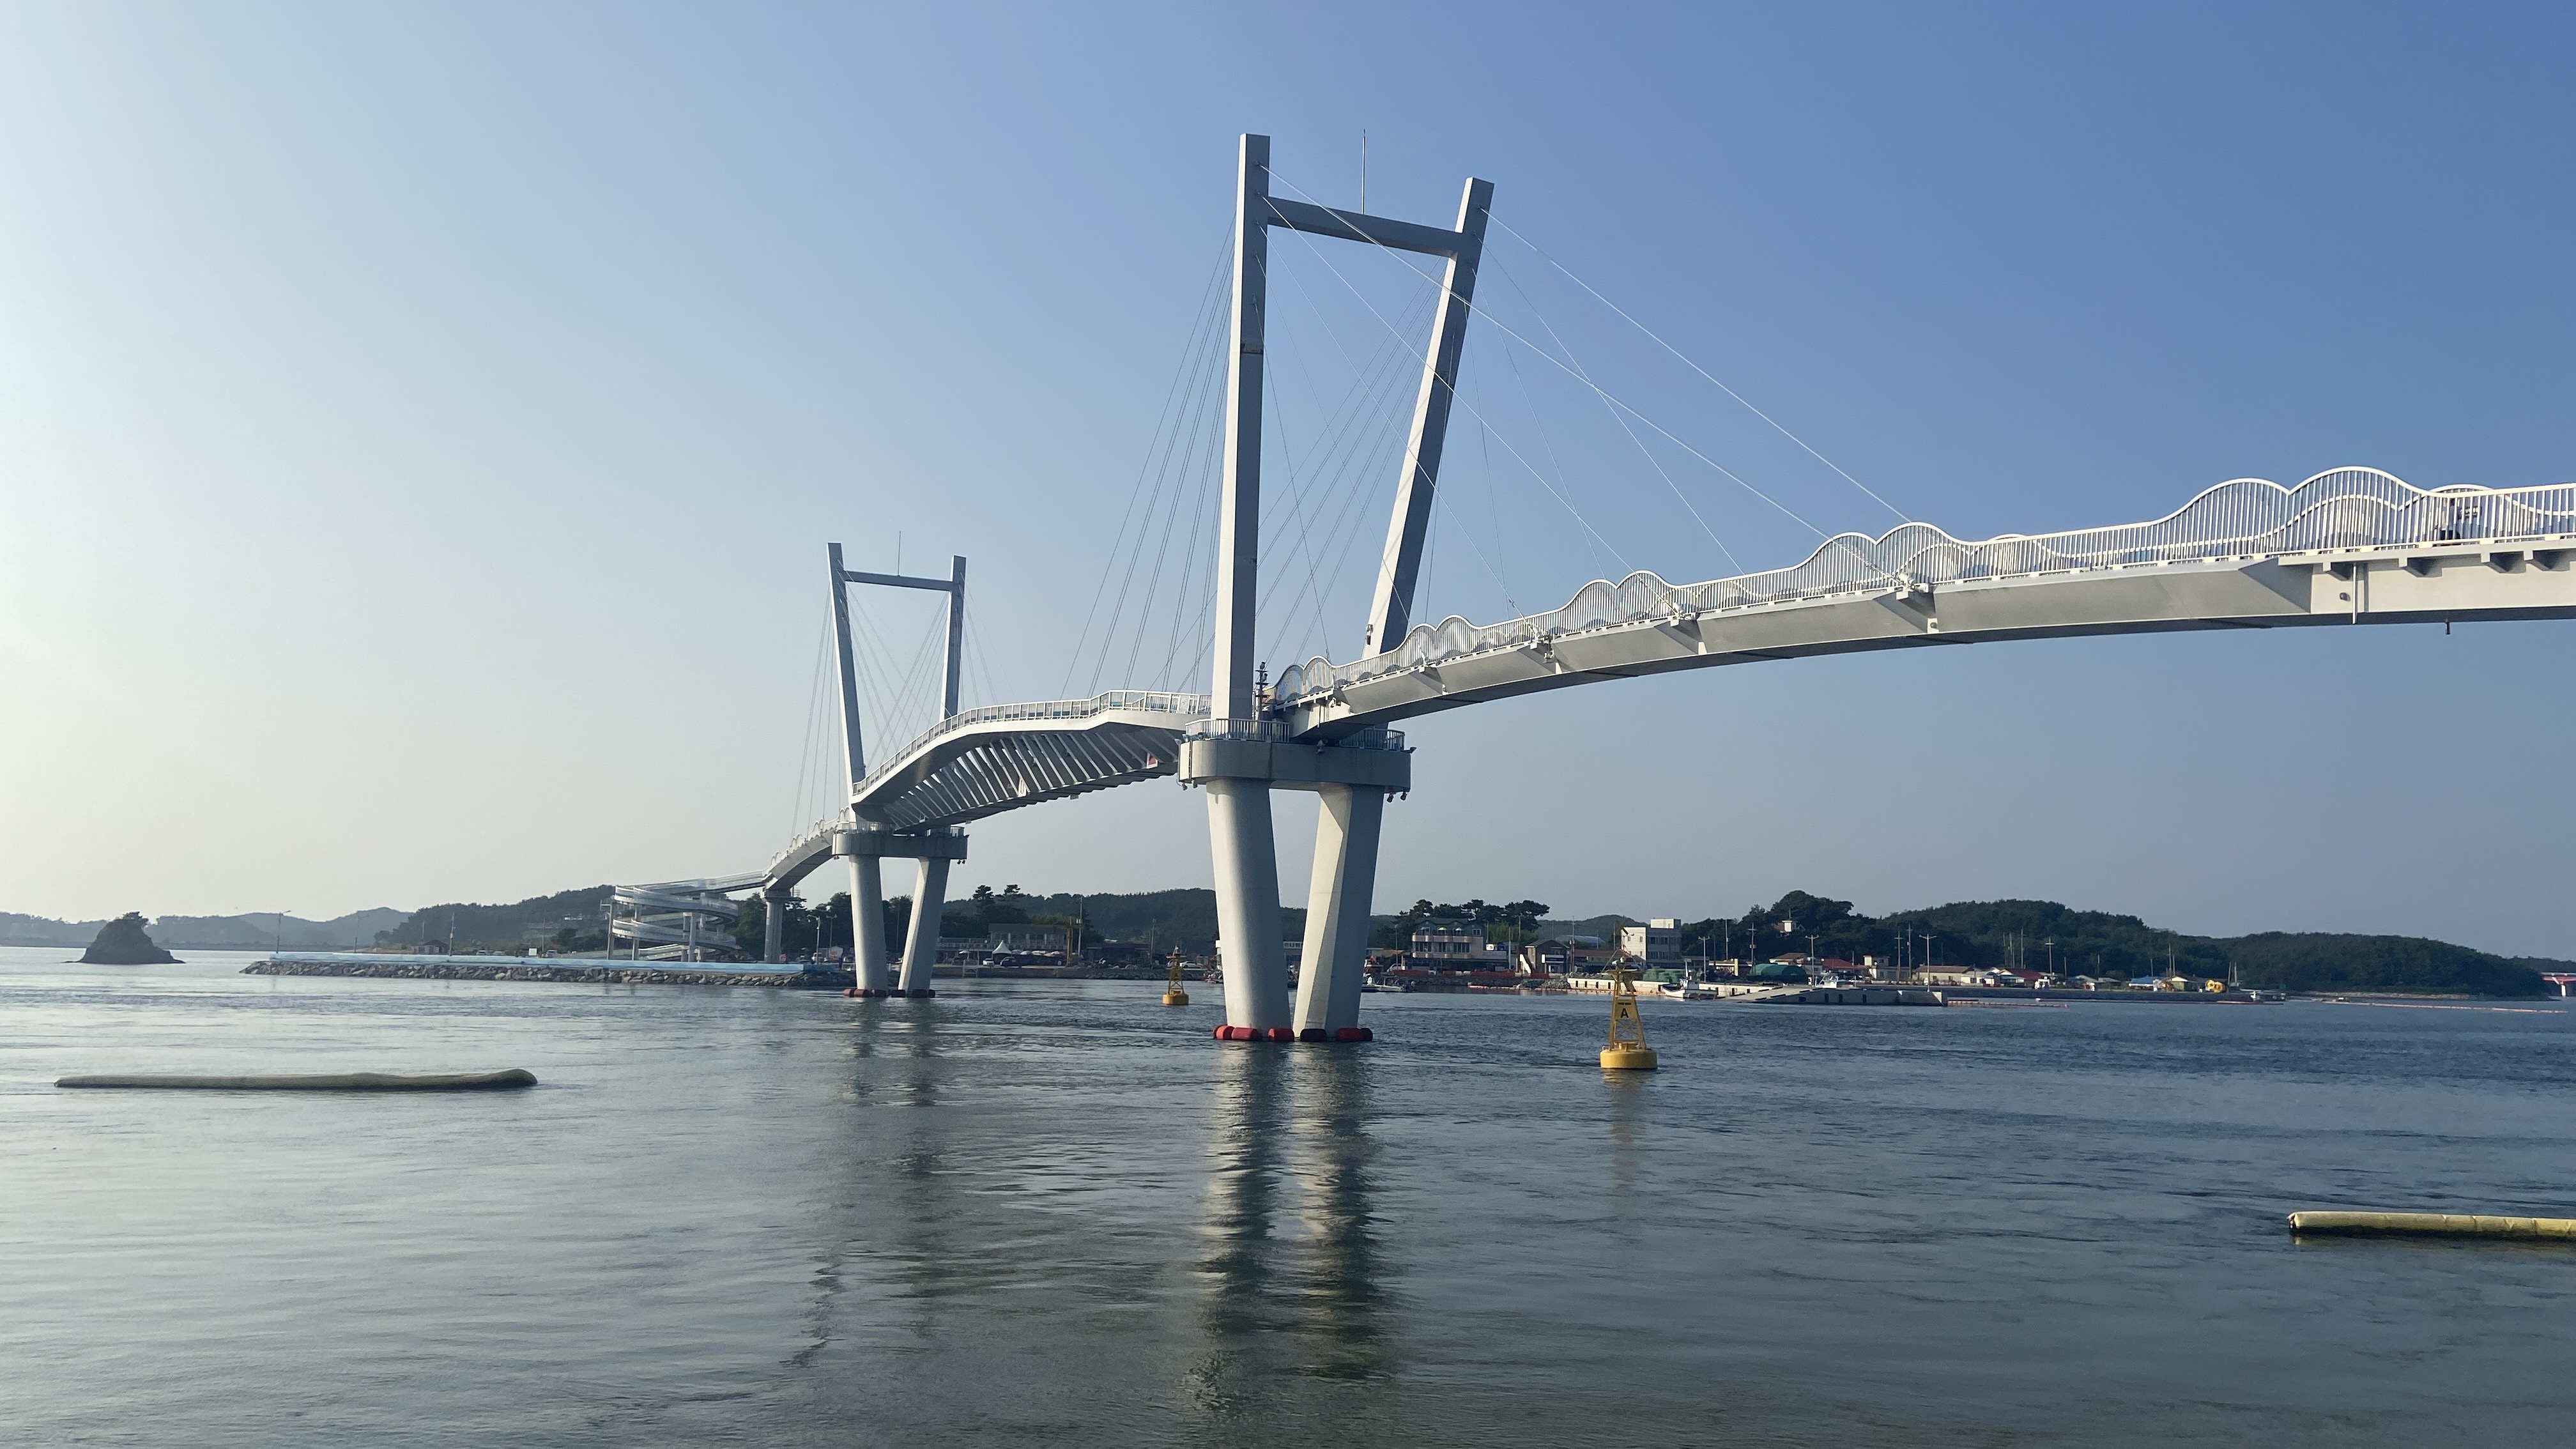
<point x="751" y="928"/>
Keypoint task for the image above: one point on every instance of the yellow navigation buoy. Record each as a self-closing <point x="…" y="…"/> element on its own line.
<point x="1627" y="1051"/>
<point x="1173" y="995"/>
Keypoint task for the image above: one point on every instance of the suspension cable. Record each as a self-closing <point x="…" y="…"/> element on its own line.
<point x="1702" y="371"/>
<point x="1370" y="396"/>
<point x="1498" y="433"/>
<point x="1202" y="440"/>
<point x="805" y="748"/>
<point x="1182" y="371"/>
<point x="1624" y="426"/>
<point x="1181" y="447"/>
<point x="1547" y="445"/>
<point x="1605" y="393"/>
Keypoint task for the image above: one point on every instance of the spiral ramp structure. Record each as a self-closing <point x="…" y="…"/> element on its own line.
<point x="676" y="920"/>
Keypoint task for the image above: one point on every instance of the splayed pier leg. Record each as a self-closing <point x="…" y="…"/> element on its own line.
<point x="1337" y="911"/>
<point x="921" y="942"/>
<point x="867" y="923"/>
<point x="1247" y="905"/>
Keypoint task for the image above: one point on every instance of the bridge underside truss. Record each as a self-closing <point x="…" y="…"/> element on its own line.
<point x="986" y="761"/>
<point x="999" y="772"/>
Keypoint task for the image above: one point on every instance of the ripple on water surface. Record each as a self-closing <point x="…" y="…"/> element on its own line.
<point x="1059" y="1213"/>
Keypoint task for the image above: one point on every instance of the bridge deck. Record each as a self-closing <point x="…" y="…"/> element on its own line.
<point x="2349" y="546"/>
<point x="985" y="761"/>
<point x="2353" y="545"/>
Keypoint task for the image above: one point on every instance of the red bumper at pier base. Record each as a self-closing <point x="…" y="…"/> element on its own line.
<point x="869" y="993"/>
<point x="1282" y="1033"/>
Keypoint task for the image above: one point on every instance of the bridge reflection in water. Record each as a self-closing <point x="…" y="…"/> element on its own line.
<point x="1289" y="1266"/>
<point x="1014" y="1245"/>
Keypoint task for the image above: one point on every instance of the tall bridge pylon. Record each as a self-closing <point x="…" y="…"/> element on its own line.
<point x="1239" y="755"/>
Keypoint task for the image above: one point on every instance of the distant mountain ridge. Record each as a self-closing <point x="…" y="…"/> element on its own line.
<point x="212" y="933"/>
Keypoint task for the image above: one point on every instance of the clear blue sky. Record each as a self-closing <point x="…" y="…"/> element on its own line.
<point x="420" y="425"/>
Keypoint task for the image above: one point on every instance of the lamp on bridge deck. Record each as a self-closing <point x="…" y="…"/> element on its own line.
<point x="1627" y="1051"/>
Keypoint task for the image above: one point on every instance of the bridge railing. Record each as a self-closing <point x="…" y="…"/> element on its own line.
<point x="828" y="825"/>
<point x="1276" y="731"/>
<point x="2344" y="508"/>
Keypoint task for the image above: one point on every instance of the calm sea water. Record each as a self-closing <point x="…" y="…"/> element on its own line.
<point x="1060" y="1214"/>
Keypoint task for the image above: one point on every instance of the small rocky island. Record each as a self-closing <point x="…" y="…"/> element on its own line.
<point x="121" y="942"/>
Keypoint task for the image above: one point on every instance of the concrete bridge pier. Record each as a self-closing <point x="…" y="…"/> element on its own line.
<point x="866" y="850"/>
<point x="1337" y="910"/>
<point x="773" y="918"/>
<point x="1240" y="763"/>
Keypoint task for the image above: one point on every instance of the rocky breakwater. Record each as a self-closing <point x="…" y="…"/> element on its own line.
<point x="519" y="969"/>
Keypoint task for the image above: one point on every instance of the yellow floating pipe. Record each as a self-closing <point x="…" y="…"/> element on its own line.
<point x="2459" y="1225"/>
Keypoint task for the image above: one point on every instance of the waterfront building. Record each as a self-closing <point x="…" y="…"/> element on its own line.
<point x="1453" y="946"/>
<point x="1657" y="943"/>
<point x="1028" y="940"/>
<point x="1966" y="976"/>
<point x="1544" y="958"/>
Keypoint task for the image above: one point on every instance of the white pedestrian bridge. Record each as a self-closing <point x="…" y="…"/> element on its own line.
<point x="982" y="762"/>
<point x="2350" y="546"/>
<point x="2347" y="546"/>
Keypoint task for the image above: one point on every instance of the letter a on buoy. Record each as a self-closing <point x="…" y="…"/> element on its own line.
<point x="1627" y="1050"/>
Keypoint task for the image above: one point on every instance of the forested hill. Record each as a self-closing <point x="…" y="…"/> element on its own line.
<point x="1161" y="919"/>
<point x="2102" y="944"/>
<point x="1984" y="933"/>
<point x="471" y="926"/>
